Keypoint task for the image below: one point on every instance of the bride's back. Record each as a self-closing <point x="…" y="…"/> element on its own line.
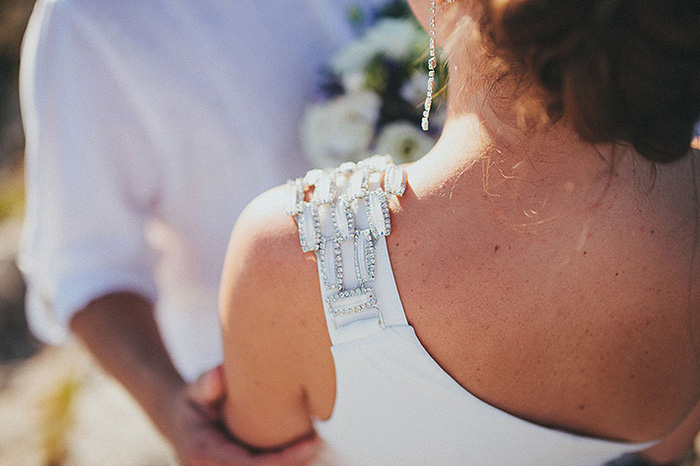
<point x="577" y="310"/>
<point x="550" y="272"/>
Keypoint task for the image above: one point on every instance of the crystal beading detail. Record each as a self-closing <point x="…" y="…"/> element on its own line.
<point x="311" y="177"/>
<point x="325" y="262"/>
<point x="365" y="256"/>
<point x="324" y="189"/>
<point x="338" y="264"/>
<point x="346" y="167"/>
<point x="294" y="197"/>
<point x="375" y="163"/>
<point x="394" y="180"/>
<point x="343" y="219"/>
<point x="351" y="301"/>
<point x="357" y="184"/>
<point x="378" y="213"/>
<point x="309" y="234"/>
<point x="339" y="205"/>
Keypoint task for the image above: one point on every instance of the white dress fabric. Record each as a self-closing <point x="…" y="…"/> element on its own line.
<point x="394" y="403"/>
<point x="150" y="124"/>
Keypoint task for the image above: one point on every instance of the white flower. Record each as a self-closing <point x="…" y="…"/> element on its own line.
<point x="354" y="58"/>
<point x="353" y="82"/>
<point x="341" y="129"/>
<point x="404" y="142"/>
<point x="394" y="38"/>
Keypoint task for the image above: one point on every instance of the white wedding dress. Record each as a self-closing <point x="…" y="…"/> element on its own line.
<point x="394" y="403"/>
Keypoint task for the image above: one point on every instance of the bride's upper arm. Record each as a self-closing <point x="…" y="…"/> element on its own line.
<point x="268" y="285"/>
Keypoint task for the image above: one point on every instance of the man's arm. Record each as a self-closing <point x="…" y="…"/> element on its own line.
<point x="120" y="331"/>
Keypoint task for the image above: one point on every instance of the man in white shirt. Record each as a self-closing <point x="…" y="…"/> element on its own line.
<point x="150" y="124"/>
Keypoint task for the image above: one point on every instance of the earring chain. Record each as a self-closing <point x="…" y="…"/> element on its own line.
<point x="432" y="64"/>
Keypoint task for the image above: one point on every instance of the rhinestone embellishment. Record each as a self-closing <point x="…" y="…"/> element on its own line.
<point x="378" y="213"/>
<point x="340" y="197"/>
<point x="324" y="189"/>
<point x="364" y="257"/>
<point x="309" y="228"/>
<point x="331" y="274"/>
<point x="357" y="185"/>
<point x="394" y="180"/>
<point x="294" y="197"/>
<point x="343" y="220"/>
<point x="352" y="301"/>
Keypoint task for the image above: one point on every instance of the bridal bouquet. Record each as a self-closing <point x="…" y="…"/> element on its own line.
<point x="370" y="96"/>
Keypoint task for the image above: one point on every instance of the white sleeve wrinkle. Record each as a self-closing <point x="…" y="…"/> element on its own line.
<point x="90" y="184"/>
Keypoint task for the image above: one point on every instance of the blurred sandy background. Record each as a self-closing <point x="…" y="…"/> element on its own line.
<point x="56" y="406"/>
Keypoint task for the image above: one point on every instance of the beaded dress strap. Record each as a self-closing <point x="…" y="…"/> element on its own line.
<point x="345" y="224"/>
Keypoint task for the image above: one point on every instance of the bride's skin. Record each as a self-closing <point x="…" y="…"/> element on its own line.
<point x="545" y="280"/>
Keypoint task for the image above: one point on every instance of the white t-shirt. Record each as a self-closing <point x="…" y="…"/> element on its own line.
<point x="150" y="124"/>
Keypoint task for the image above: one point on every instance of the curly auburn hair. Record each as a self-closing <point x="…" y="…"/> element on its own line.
<point x="619" y="70"/>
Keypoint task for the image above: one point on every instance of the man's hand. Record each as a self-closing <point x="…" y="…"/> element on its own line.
<point x="120" y="331"/>
<point x="202" y="439"/>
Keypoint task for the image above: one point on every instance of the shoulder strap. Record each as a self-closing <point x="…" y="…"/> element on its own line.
<point x="345" y="223"/>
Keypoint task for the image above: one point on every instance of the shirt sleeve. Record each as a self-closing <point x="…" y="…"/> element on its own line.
<point x="90" y="187"/>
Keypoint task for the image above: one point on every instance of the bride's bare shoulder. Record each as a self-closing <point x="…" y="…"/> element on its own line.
<point x="273" y="326"/>
<point x="264" y="233"/>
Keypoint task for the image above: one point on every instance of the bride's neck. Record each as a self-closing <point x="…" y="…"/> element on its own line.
<point x="549" y="171"/>
<point x="481" y="126"/>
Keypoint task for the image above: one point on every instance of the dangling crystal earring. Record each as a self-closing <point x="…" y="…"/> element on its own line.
<point x="432" y="64"/>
